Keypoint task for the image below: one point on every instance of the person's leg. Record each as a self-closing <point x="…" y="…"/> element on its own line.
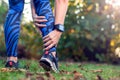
<point x="12" y="28"/>
<point x="43" y="8"/>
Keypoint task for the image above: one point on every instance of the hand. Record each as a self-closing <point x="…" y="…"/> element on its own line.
<point x="52" y="39"/>
<point x="39" y="19"/>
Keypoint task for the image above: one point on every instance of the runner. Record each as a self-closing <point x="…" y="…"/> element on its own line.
<point x="50" y="27"/>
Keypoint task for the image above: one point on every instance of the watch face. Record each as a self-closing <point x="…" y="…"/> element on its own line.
<point x="61" y="27"/>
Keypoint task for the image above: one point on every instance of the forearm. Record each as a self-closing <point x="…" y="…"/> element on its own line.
<point x="32" y="9"/>
<point x="61" y="7"/>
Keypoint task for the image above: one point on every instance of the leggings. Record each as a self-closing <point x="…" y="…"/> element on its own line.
<point x="13" y="19"/>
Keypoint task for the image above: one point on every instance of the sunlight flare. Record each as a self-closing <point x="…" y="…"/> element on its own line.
<point x="114" y="3"/>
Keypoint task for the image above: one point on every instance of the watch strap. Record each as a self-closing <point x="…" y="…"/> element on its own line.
<point x="59" y="27"/>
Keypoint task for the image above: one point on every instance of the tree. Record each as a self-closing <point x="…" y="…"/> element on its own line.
<point x="91" y="32"/>
<point x="3" y="11"/>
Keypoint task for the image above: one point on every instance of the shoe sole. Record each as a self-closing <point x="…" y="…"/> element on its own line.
<point x="45" y="66"/>
<point x="48" y="65"/>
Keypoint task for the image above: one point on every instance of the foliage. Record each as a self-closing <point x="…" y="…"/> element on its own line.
<point x="89" y="31"/>
<point x="92" y="32"/>
<point x="31" y="41"/>
<point x="3" y="11"/>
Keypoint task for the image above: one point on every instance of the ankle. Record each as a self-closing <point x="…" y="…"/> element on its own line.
<point x="54" y="54"/>
<point x="15" y="59"/>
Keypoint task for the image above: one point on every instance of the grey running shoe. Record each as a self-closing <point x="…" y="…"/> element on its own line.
<point x="49" y="62"/>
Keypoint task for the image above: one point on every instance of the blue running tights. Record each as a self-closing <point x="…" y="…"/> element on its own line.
<point x="13" y="19"/>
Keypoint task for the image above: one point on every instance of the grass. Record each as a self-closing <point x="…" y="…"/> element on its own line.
<point x="68" y="71"/>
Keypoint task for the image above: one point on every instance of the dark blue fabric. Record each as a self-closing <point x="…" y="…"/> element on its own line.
<point x="13" y="19"/>
<point x="43" y="8"/>
<point x="12" y="26"/>
<point x="17" y="5"/>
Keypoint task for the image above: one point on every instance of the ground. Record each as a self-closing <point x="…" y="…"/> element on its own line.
<point x="68" y="71"/>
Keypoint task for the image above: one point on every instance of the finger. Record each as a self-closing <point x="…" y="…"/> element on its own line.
<point x="48" y="43"/>
<point x="40" y="25"/>
<point x="46" y="39"/>
<point x="50" y="46"/>
<point x="40" y="17"/>
<point x="40" y="20"/>
<point x="56" y="45"/>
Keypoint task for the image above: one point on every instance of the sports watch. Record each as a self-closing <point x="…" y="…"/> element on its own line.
<point x="59" y="27"/>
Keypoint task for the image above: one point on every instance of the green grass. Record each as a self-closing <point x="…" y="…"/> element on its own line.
<point x="89" y="71"/>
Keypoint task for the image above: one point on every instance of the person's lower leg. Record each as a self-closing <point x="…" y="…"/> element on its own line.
<point x="43" y="8"/>
<point x="12" y="28"/>
<point x="12" y="58"/>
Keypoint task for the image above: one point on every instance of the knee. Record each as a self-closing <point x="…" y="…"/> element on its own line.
<point x="16" y="5"/>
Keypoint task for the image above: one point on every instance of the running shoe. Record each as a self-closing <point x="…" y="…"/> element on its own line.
<point x="49" y="62"/>
<point x="11" y="64"/>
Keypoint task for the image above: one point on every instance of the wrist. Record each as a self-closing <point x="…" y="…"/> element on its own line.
<point x="58" y="31"/>
<point x="59" y="27"/>
<point x="34" y="16"/>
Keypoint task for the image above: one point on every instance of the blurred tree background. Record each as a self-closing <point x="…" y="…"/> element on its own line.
<point x="92" y="33"/>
